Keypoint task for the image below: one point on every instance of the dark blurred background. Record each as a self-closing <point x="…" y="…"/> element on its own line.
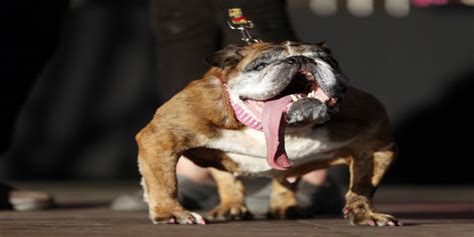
<point x="100" y="86"/>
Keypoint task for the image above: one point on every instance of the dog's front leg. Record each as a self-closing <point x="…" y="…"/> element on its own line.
<point x="158" y="168"/>
<point x="367" y="169"/>
<point x="232" y="193"/>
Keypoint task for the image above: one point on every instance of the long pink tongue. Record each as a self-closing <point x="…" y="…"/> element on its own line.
<point x="274" y="130"/>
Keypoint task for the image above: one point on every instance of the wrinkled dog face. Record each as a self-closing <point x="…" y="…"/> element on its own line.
<point x="304" y="75"/>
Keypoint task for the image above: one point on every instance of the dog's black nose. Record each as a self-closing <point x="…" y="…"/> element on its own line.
<point x="297" y="59"/>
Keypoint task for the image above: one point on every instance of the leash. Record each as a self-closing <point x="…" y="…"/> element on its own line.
<point x="238" y="21"/>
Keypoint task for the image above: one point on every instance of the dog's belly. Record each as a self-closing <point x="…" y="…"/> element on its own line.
<point x="247" y="148"/>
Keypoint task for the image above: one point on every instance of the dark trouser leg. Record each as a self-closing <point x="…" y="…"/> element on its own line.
<point x="185" y="33"/>
<point x="29" y="36"/>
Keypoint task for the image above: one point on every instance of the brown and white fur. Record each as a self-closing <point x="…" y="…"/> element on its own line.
<point x="200" y="123"/>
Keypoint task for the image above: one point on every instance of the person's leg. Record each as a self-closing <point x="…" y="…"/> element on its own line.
<point x="315" y="178"/>
<point x="30" y="35"/>
<point x="30" y="32"/>
<point x="185" y="32"/>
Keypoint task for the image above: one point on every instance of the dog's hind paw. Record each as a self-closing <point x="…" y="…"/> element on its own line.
<point x="225" y="212"/>
<point x="370" y="218"/>
<point x="180" y="217"/>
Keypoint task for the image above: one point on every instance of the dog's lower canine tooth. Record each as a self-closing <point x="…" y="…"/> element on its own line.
<point x="294" y="98"/>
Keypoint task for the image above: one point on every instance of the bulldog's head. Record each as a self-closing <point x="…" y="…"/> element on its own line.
<point x="281" y="88"/>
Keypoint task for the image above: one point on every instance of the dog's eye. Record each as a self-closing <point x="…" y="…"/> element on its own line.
<point x="260" y="66"/>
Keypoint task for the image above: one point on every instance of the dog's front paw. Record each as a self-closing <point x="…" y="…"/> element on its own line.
<point x="225" y="212"/>
<point x="360" y="216"/>
<point x="178" y="217"/>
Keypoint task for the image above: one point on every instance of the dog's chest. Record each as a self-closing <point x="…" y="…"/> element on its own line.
<point x="247" y="147"/>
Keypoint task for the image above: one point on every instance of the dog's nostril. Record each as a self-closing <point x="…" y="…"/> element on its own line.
<point x="297" y="59"/>
<point x="291" y="60"/>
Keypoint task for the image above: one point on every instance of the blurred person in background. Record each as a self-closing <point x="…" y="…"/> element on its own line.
<point x="187" y="31"/>
<point x="30" y="33"/>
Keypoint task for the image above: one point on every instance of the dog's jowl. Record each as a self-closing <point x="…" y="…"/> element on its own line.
<point x="279" y="110"/>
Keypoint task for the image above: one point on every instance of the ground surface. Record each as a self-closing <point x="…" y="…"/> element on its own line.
<point x="83" y="211"/>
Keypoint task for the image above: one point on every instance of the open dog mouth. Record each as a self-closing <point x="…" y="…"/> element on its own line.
<point x="303" y="85"/>
<point x="269" y="115"/>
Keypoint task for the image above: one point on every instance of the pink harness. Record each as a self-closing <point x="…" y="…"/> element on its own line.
<point x="243" y="116"/>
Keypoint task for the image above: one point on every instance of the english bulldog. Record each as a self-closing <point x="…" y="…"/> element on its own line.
<point x="267" y="109"/>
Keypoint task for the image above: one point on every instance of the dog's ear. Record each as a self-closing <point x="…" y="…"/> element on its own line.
<point x="325" y="46"/>
<point x="227" y="57"/>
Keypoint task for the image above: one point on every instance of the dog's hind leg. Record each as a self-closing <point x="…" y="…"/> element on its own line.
<point x="283" y="201"/>
<point x="366" y="171"/>
<point x="232" y="193"/>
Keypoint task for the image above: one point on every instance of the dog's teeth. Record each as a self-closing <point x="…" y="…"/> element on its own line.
<point x="299" y="97"/>
<point x="313" y="93"/>
<point x="294" y="98"/>
<point x="310" y="94"/>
